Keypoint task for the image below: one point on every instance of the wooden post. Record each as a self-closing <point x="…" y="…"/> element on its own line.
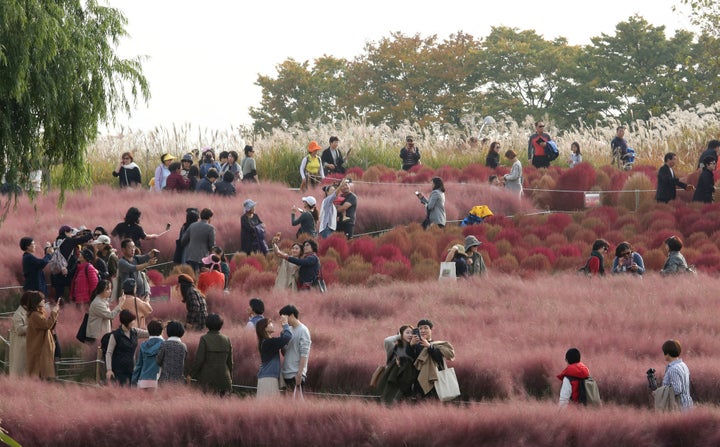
<point x="97" y="365"/>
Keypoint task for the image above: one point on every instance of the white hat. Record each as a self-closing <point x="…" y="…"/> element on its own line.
<point x="310" y="200"/>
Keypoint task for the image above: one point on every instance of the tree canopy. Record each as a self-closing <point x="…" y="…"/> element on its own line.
<point x="635" y="72"/>
<point x="60" y="78"/>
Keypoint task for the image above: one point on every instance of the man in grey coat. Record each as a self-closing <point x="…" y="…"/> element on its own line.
<point x="198" y="239"/>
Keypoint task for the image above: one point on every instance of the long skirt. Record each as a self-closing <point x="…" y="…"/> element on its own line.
<point x="268" y="387"/>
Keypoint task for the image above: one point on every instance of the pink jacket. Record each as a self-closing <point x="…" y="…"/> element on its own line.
<point x="84" y="283"/>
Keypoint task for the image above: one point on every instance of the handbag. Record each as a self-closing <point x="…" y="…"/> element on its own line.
<point x="376" y="376"/>
<point x="447" y="387"/>
<point x="82" y="331"/>
<point x="447" y="270"/>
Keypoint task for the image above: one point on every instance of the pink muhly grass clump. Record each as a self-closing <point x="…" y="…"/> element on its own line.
<point x="536" y="262"/>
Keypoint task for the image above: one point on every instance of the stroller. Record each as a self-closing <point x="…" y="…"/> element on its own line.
<point x="477" y="214"/>
<point x="625" y="161"/>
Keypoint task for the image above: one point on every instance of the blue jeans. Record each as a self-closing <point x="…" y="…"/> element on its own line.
<point x="326" y="232"/>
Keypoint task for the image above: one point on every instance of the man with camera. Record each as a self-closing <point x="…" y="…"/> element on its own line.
<point x="430" y="358"/>
<point x="131" y="265"/>
<point x="676" y="378"/>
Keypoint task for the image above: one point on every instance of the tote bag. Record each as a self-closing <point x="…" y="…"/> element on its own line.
<point x="447" y="387"/>
<point x="82" y="331"/>
<point x="447" y="270"/>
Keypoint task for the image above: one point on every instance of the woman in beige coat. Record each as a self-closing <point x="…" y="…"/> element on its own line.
<point x="18" y="341"/>
<point x="40" y="342"/>
<point x="100" y="316"/>
<point x="139" y="306"/>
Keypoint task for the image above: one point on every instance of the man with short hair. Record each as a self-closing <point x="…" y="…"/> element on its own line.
<point x="130" y="266"/>
<point x="677" y="374"/>
<point x="297" y="351"/>
<point x="348" y="208"/>
<point x="536" y="146"/>
<point x="225" y="187"/>
<point x="430" y="356"/>
<point x="619" y="146"/>
<point x="255" y="310"/>
<point x="667" y="183"/>
<point x="332" y="158"/>
<point x="198" y="239"/>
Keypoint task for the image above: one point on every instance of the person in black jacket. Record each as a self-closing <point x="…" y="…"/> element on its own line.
<point x="493" y="157"/>
<point x="332" y="159"/>
<point x="667" y="182"/>
<point x="706" y="182"/>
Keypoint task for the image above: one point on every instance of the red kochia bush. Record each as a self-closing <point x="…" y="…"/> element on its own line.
<point x="364" y="247"/>
<point x="338" y="242"/>
<point x="579" y="178"/>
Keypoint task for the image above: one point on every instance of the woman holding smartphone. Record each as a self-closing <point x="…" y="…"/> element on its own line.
<point x="40" y="341"/>
<point x="400" y="373"/>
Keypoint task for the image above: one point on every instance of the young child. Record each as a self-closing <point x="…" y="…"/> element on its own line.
<point x="171" y="356"/>
<point x="146" y="372"/>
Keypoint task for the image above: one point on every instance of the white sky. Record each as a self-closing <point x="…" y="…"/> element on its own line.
<point x="205" y="56"/>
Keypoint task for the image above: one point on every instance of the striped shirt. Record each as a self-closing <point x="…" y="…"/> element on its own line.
<point x="677" y="375"/>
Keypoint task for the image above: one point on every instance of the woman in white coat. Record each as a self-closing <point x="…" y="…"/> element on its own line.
<point x="100" y="316"/>
<point x="513" y="180"/>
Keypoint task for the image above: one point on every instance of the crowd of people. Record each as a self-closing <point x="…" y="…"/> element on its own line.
<point x="87" y="270"/>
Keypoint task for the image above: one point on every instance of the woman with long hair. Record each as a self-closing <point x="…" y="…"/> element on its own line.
<point x="400" y="374"/>
<point x="194" y="303"/>
<point x="40" y="340"/>
<point x="192" y="215"/>
<point x="575" y="155"/>
<point x="435" y="205"/>
<point x="100" y="316"/>
<point x="269" y="348"/>
<point x="493" y="157"/>
<point x="308" y="218"/>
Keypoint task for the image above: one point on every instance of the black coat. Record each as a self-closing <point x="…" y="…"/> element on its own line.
<point x="705" y="187"/>
<point x="667" y="185"/>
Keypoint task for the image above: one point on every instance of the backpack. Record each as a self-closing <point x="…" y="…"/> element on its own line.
<point x="57" y="261"/>
<point x="551" y="150"/>
<point x="589" y="392"/>
<point x="585" y="269"/>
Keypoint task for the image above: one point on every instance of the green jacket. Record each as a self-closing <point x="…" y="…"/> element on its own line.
<point x="213" y="363"/>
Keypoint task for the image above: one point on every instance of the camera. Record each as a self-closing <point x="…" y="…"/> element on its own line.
<point x="652" y="381"/>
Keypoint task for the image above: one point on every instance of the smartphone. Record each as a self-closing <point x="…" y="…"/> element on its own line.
<point x="417" y="193"/>
<point x="167" y="226"/>
<point x="416" y="332"/>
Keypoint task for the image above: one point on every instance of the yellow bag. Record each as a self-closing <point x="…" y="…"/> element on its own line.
<point x="481" y="211"/>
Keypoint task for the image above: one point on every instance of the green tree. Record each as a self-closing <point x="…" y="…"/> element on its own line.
<point x="413" y="79"/>
<point x="300" y="94"/>
<point x="524" y="72"/>
<point x="705" y="14"/>
<point x="643" y="69"/>
<point x="60" y="78"/>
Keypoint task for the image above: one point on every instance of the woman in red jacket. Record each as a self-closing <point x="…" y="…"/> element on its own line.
<point x="85" y="279"/>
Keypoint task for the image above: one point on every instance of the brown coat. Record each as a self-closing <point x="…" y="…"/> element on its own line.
<point x="41" y="345"/>
<point x="139" y="307"/>
<point x="427" y="367"/>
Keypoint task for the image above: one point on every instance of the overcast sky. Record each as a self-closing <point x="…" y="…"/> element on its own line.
<point x="203" y="58"/>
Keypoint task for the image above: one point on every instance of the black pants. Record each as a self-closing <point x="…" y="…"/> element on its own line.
<point x="540" y="161"/>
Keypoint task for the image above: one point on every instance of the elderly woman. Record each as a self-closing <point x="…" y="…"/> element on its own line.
<point x="435" y="205"/>
<point x="40" y="341"/>
<point x="675" y="262"/>
<point x="100" y="316"/>
<point x="18" y="339"/>
<point x="308" y="217"/>
<point x="458" y="255"/>
<point x="311" y="168"/>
